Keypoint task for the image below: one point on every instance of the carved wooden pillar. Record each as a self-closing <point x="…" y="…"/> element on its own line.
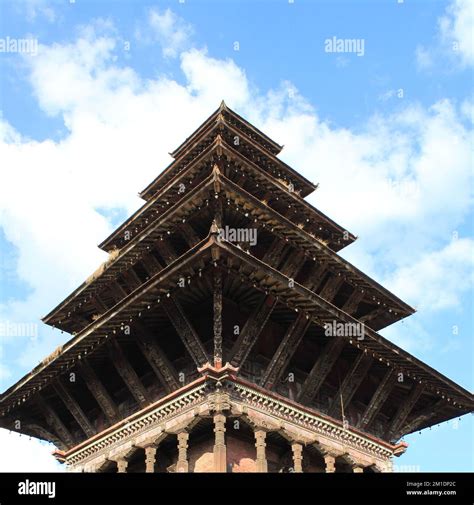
<point x="260" y="444"/>
<point x="297" y="449"/>
<point x="122" y="465"/>
<point x="182" y="464"/>
<point x="330" y="463"/>
<point x="150" y="458"/>
<point x="220" y="451"/>
<point x="217" y="318"/>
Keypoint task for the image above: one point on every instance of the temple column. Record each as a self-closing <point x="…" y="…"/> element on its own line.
<point x="330" y="463"/>
<point x="150" y="458"/>
<point x="297" y="449"/>
<point x="182" y="464"/>
<point x="122" y="465"/>
<point x="220" y="451"/>
<point x="260" y="444"/>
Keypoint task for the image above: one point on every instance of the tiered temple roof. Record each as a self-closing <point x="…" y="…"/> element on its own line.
<point x="177" y="300"/>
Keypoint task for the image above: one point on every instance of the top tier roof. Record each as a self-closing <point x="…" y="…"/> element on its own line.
<point x="265" y="141"/>
<point x="224" y="117"/>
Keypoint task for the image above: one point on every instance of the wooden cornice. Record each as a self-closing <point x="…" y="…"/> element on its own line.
<point x="226" y="378"/>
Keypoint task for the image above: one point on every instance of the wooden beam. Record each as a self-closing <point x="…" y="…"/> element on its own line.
<point x="186" y="331"/>
<point x="251" y="330"/>
<point x="117" y="291"/>
<point x="405" y="408"/>
<point x="217" y="314"/>
<point x="267" y="197"/>
<point x="372" y="314"/>
<point x="54" y="422"/>
<point x="133" y="275"/>
<point x="378" y="399"/>
<point x="316" y="275"/>
<point x="321" y="369"/>
<point x="151" y="264"/>
<point x="350" y="384"/>
<point x="166" y="251"/>
<point x="331" y="287"/>
<point x="81" y="320"/>
<point x="189" y="234"/>
<point x="74" y="408"/>
<point x="191" y="237"/>
<point x="350" y="307"/>
<point x="98" y="391"/>
<point x="293" y="264"/>
<point x="419" y="419"/>
<point x="130" y="280"/>
<point x="274" y="253"/>
<point x="285" y="351"/>
<point x="218" y="203"/>
<point x="157" y="359"/>
<point x="43" y="433"/>
<point x="99" y="304"/>
<point x="128" y="374"/>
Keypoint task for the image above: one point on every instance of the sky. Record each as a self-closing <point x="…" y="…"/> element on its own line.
<point x="373" y="100"/>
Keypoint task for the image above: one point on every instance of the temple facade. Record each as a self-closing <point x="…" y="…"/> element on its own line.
<point x="226" y="334"/>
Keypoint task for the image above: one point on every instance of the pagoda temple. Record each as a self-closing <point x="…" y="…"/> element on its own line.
<point x="224" y="333"/>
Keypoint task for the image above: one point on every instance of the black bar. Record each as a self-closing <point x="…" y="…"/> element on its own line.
<point x="238" y="489"/>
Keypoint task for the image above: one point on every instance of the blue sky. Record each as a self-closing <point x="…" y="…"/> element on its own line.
<point x="87" y="120"/>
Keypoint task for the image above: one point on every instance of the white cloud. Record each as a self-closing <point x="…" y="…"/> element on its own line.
<point x="424" y="57"/>
<point x="34" y="9"/>
<point x="439" y="278"/>
<point x="411" y="335"/>
<point x="167" y="29"/>
<point x="4" y="370"/>
<point x="22" y="454"/>
<point x="454" y="37"/>
<point x="457" y="29"/>
<point x="212" y="80"/>
<point x="403" y="171"/>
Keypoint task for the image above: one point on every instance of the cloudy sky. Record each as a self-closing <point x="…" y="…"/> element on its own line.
<point x="105" y="90"/>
